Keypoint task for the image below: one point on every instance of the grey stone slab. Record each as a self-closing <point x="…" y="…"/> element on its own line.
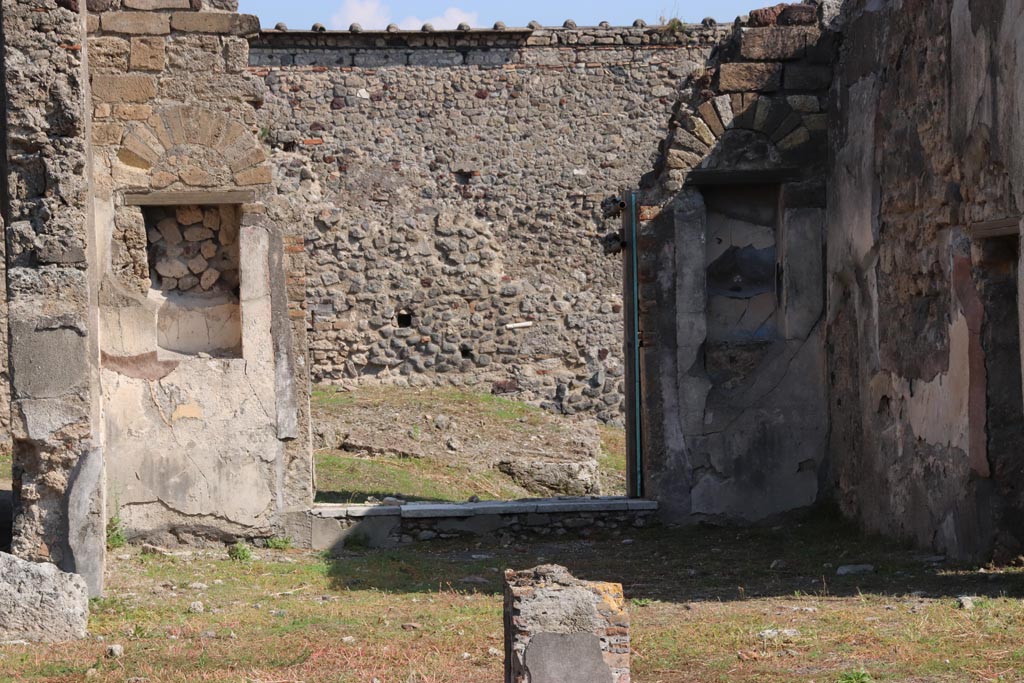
<point x="566" y="658"/>
<point x="281" y="337"/>
<point x="87" y="521"/>
<point x="593" y="506"/>
<point x="510" y="508"/>
<point x="47" y="361"/>
<point x="371" y="532"/>
<point x="643" y="505"/>
<point x="373" y="511"/>
<point x="427" y="511"/>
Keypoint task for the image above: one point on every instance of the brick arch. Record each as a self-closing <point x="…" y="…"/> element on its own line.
<point x="188" y="147"/>
<point x="744" y="131"/>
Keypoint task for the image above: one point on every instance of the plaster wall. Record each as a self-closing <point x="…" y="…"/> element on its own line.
<point x="926" y="147"/>
<point x="205" y="441"/>
<point x="731" y="287"/>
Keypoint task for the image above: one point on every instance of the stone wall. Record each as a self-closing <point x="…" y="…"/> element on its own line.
<point x="58" y="455"/>
<point x="925" y="203"/>
<point x="460" y="176"/>
<point x="332" y="527"/>
<point x="734" y="422"/>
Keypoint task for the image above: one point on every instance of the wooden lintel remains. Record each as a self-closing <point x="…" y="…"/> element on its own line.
<point x="1003" y="227"/>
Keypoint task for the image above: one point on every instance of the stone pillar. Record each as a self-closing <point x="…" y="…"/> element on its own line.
<point x="559" y="629"/>
<point x="58" y="462"/>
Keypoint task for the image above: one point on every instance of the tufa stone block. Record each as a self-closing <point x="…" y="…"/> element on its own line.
<point x="123" y="88"/>
<point x="150" y="5"/>
<point x="215" y="22"/>
<point x="148" y="54"/>
<point x="750" y="76"/>
<point x="136" y="23"/>
<point x="776" y="42"/>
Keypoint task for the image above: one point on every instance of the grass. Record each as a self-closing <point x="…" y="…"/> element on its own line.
<point x="701" y="598"/>
<point x="485" y="404"/>
<point x="346" y="479"/>
<point x="6" y="463"/>
<point x="409" y="464"/>
<point x="612" y="462"/>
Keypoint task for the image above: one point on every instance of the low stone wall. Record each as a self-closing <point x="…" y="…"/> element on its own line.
<point x="461" y="176"/>
<point x="333" y="527"/>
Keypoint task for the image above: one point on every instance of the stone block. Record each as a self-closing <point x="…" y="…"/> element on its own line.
<point x="148" y="54"/>
<point x="750" y="76"/>
<point x="259" y="175"/>
<point x="105" y="134"/>
<point x="215" y="22"/>
<point x="48" y="360"/>
<point x="123" y="88"/>
<point x="776" y="42"/>
<point x="136" y="23"/>
<point x="40" y="603"/>
<point x="808" y="77"/>
<point x="431" y="510"/>
<point x="108" y="53"/>
<point x="559" y="629"/>
<point x="150" y="5"/>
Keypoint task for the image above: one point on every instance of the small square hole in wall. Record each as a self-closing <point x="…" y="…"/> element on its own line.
<point x="405" y="319"/>
<point x="194" y="271"/>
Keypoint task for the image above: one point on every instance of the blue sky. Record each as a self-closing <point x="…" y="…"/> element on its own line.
<point x="302" y="14"/>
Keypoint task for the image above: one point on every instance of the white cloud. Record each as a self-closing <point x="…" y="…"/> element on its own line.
<point x="374" y="14"/>
<point x="450" y="19"/>
<point x="369" y="14"/>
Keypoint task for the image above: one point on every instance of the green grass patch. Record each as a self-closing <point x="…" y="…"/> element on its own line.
<point x="343" y="479"/>
<point x="612" y="461"/>
<point x="6" y="465"/>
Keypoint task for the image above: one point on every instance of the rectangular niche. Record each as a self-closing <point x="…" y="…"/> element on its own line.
<point x="194" y="273"/>
<point x="742" y="263"/>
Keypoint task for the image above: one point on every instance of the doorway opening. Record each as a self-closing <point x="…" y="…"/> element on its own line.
<point x="6" y="497"/>
<point x="997" y="276"/>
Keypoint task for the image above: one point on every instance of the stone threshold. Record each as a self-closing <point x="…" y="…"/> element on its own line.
<point x="463" y="510"/>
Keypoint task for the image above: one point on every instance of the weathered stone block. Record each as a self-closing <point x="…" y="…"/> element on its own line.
<point x="559" y="629"/>
<point x="215" y="22"/>
<point x="48" y="358"/>
<point x="105" y="134"/>
<point x="149" y="5"/>
<point x="776" y="42"/>
<point x="40" y="603"/>
<point x="259" y="175"/>
<point x="136" y="23"/>
<point x="148" y="54"/>
<point x="123" y="88"/>
<point x="107" y="53"/>
<point x="756" y="76"/>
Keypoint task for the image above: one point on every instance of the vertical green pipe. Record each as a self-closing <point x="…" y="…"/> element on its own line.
<point x="637" y="383"/>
